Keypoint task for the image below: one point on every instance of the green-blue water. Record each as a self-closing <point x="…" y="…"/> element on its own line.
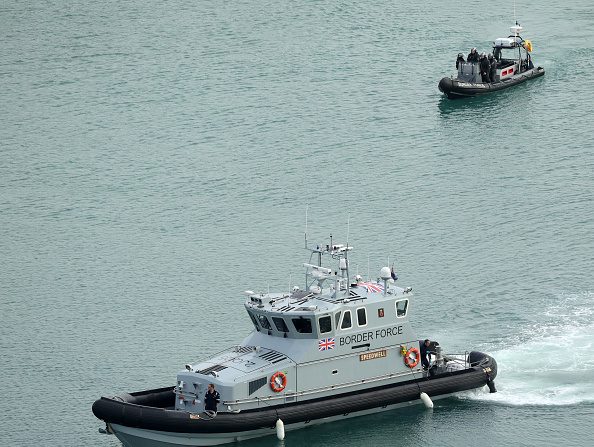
<point x="156" y="159"/>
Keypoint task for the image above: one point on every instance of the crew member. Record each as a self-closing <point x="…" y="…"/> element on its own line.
<point x="497" y="53"/>
<point x="459" y="60"/>
<point x="425" y="353"/>
<point x="492" y="67"/>
<point x="211" y="398"/>
<point x="485" y="67"/>
<point x="473" y="56"/>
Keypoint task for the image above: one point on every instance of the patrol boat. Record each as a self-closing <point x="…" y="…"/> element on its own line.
<point x="513" y="66"/>
<point x="336" y="348"/>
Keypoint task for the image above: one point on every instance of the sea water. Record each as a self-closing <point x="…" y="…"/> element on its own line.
<point x="157" y="159"/>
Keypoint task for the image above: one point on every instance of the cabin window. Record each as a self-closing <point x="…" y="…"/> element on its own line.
<point x="337" y="318"/>
<point x="254" y="320"/>
<point x="401" y="307"/>
<point x="361" y="317"/>
<point x="280" y="324"/>
<point x="325" y="324"/>
<point x="302" y="325"/>
<point x="346" y="320"/>
<point x="264" y="322"/>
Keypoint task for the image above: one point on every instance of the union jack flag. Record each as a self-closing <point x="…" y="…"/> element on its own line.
<point x="326" y="344"/>
<point x="371" y="286"/>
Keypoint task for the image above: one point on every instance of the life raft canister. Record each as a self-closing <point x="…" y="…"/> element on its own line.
<point x="278" y="381"/>
<point x="412" y="357"/>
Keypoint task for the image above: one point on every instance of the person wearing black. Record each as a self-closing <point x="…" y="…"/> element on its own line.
<point x="473" y="56"/>
<point x="211" y="398"/>
<point x="485" y="67"/>
<point x="497" y="53"/>
<point x="425" y="354"/>
<point x="492" y="67"/>
<point x="459" y="60"/>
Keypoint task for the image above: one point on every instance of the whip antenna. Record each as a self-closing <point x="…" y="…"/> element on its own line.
<point x="306" y="206"/>
<point x="346" y="256"/>
<point x="348" y="230"/>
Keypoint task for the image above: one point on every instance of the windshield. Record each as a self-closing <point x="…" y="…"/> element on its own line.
<point x="506" y="53"/>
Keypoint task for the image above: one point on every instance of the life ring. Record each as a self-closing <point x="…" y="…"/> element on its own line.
<point x="410" y="360"/>
<point x="278" y="381"/>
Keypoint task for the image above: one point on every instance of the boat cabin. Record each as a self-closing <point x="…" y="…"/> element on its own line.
<point x="337" y="332"/>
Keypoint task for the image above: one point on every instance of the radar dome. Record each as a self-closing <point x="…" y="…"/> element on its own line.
<point x="385" y="273"/>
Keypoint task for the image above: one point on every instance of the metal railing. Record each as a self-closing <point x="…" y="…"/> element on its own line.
<point x="324" y="389"/>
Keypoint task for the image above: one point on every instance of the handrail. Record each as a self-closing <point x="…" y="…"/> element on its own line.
<point x="353" y="354"/>
<point x="177" y="392"/>
<point x="323" y="389"/>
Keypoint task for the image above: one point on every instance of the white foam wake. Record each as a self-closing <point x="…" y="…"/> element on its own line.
<point x="550" y="362"/>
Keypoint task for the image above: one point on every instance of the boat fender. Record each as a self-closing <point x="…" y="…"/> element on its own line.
<point x="280" y="429"/>
<point x="412" y="357"/>
<point x="426" y="400"/>
<point x="278" y="381"/>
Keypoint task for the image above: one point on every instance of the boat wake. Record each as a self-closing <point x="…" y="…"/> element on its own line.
<point x="550" y="362"/>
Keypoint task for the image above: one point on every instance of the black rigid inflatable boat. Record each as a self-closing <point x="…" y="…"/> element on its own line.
<point x="154" y="409"/>
<point x="510" y="64"/>
<point x="454" y="88"/>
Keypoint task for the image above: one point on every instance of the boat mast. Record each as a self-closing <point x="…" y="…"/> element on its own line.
<point x="516" y="34"/>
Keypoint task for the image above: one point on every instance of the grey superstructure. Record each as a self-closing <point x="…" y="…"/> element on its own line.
<point x="315" y="337"/>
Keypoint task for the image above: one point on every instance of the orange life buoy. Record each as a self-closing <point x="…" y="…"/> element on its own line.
<point x="411" y="360"/>
<point x="278" y="381"/>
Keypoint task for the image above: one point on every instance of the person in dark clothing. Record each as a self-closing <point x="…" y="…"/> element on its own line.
<point x="530" y="64"/>
<point x="497" y="53"/>
<point x="425" y="354"/>
<point x="459" y="60"/>
<point x="492" y="67"/>
<point x="211" y="398"/>
<point x="473" y="56"/>
<point x="485" y="67"/>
